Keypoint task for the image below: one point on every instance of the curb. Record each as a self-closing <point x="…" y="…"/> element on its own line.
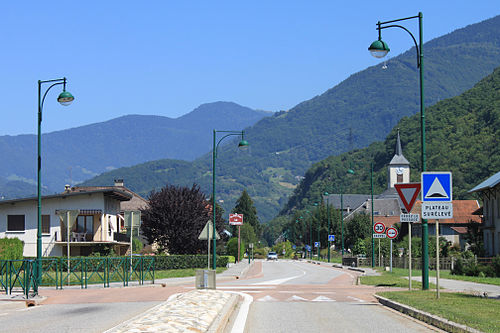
<point x="220" y="322"/>
<point x="356" y="269"/>
<point x="426" y="317"/>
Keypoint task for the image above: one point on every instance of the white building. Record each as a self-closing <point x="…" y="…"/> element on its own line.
<point x="490" y="192"/>
<point x="96" y="222"/>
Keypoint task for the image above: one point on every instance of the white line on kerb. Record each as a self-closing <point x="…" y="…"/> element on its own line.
<point x="241" y="318"/>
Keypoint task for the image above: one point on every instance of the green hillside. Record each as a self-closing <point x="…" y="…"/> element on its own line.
<point x="360" y="110"/>
<point x="462" y="136"/>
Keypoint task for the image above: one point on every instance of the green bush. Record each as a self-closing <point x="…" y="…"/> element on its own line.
<point x="496" y="265"/>
<point x="164" y="262"/>
<point x="11" y="249"/>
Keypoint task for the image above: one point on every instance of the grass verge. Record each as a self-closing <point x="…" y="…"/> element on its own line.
<point x="397" y="278"/>
<point x="476" y="312"/>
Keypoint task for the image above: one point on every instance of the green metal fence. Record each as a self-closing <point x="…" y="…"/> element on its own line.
<point x="20" y="276"/>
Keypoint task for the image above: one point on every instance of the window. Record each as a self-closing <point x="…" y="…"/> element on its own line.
<point x="45" y="224"/>
<point x="84" y="224"/>
<point x="15" y="222"/>
<point x="399" y="178"/>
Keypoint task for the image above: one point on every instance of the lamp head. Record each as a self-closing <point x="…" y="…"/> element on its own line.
<point x="379" y="48"/>
<point x="65" y="98"/>
<point x="351" y="172"/>
<point x="243" y="144"/>
<point x="326" y="193"/>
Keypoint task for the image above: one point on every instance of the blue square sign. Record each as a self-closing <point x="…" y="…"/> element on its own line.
<point x="436" y="187"/>
<point x="331" y="238"/>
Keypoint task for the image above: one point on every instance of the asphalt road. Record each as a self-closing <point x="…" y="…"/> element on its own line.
<point x="62" y="318"/>
<point x="290" y="296"/>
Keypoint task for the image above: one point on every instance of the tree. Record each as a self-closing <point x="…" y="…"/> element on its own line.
<point x="245" y="206"/>
<point x="175" y="218"/>
<point x="359" y="227"/>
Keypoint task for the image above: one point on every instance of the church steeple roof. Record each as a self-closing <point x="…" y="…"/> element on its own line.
<point x="398" y="156"/>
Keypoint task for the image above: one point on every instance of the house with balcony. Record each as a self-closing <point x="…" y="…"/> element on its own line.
<point x="96" y="221"/>
<point x="489" y="190"/>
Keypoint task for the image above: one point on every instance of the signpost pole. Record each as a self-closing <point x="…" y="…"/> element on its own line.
<point x="239" y="227"/>
<point x="379" y="259"/>
<point x="409" y="255"/>
<point x="391" y="257"/>
<point x="208" y="240"/>
<point x="437" y="259"/>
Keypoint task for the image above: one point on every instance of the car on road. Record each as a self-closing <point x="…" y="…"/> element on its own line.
<point x="272" y="256"/>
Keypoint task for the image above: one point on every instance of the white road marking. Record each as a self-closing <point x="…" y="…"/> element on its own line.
<point x="323" y="299"/>
<point x="296" y="298"/>
<point x="241" y="318"/>
<point x="244" y="287"/>
<point x="356" y="299"/>
<point x="267" y="298"/>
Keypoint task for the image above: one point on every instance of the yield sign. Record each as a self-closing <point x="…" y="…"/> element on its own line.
<point x="408" y="194"/>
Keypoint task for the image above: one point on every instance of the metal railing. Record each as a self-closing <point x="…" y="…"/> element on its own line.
<point x="20" y="276"/>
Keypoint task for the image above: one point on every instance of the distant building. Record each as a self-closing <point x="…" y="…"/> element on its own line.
<point x="489" y="190"/>
<point x="99" y="220"/>
<point x="387" y="206"/>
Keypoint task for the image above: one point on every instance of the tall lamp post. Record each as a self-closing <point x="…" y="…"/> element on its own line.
<point x="243" y="144"/>
<point x="371" y="192"/>
<point x="350" y="171"/>
<point x="328" y="216"/>
<point x="65" y="98"/>
<point x="379" y="49"/>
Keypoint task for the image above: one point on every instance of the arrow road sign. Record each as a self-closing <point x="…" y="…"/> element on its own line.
<point x="436" y="186"/>
<point x="331" y="238"/>
<point x="392" y="233"/>
<point x="408" y="194"/>
<point x="379" y="228"/>
<point x="316" y="244"/>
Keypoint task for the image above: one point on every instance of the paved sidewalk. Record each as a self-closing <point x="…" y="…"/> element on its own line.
<point x="465" y="286"/>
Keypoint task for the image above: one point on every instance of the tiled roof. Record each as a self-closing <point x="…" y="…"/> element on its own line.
<point x="463" y="212"/>
<point x="388" y="221"/>
<point x="460" y="230"/>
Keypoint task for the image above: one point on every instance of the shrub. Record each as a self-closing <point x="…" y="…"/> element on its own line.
<point x="11" y="249"/>
<point x="496" y="265"/>
<point x="458" y="268"/>
<point x="163" y="262"/>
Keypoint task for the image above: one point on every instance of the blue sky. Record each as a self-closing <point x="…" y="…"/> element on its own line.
<point x="168" y="57"/>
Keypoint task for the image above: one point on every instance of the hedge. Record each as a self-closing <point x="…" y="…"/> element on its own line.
<point x="164" y="262"/>
<point x="11" y="249"/>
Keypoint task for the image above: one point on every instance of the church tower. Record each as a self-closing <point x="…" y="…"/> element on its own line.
<point x="399" y="167"/>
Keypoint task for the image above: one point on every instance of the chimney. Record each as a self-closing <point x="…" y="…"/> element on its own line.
<point x="119" y="182"/>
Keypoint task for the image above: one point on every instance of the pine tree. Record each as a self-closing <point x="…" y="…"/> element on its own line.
<point x="245" y="206"/>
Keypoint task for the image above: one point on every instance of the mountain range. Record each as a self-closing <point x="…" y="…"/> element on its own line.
<point x="361" y="110"/>
<point x="74" y="155"/>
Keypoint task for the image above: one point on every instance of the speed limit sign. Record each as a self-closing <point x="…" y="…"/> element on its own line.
<point x="392" y="233"/>
<point x="379" y="228"/>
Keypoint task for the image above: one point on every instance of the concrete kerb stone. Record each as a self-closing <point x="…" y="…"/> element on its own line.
<point x="220" y="322"/>
<point x="426" y="317"/>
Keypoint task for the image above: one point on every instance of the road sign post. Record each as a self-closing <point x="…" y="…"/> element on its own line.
<point x="237" y="219"/>
<point x="437" y="203"/>
<point x="408" y="194"/>
<point x="391" y="234"/>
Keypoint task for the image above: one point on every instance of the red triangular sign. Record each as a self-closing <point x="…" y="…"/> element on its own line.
<point x="408" y="194"/>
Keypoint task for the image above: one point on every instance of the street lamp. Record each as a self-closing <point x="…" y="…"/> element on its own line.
<point x="379" y="49"/>
<point x="328" y="216"/>
<point x="65" y="98"/>
<point x="310" y="233"/>
<point x="350" y="171"/>
<point x="243" y="144"/>
<point x="371" y="191"/>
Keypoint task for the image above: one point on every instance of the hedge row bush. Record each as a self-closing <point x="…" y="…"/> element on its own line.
<point x="163" y="262"/>
<point x="471" y="268"/>
<point x="11" y="249"/>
